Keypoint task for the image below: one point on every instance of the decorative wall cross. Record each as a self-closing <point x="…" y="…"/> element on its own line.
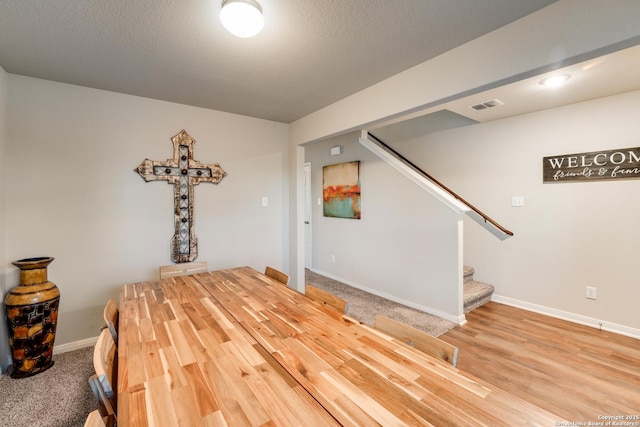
<point x="184" y="173"/>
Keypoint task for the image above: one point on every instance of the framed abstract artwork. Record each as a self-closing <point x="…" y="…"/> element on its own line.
<point x="341" y="190"/>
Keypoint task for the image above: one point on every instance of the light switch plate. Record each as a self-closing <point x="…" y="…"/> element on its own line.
<point x="517" y="201"/>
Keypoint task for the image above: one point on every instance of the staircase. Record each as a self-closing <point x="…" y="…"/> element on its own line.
<point x="475" y="293"/>
<point x="431" y="185"/>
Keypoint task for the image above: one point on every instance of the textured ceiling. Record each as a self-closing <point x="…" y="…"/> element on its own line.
<point x="611" y="74"/>
<point x="310" y="54"/>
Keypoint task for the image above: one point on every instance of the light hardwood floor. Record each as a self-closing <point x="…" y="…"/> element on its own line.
<point x="576" y="372"/>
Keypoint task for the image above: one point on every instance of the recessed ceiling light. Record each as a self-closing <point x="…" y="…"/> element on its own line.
<point x="242" y="18"/>
<point x="555" y="81"/>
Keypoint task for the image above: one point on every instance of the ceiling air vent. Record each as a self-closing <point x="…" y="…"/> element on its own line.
<point x="487" y="104"/>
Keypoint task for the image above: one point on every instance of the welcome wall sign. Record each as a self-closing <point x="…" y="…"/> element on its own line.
<point x="623" y="163"/>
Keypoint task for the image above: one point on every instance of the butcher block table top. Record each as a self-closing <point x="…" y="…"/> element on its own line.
<point x="234" y="347"/>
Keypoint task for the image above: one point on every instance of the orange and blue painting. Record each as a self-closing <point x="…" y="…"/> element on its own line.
<point x="341" y="190"/>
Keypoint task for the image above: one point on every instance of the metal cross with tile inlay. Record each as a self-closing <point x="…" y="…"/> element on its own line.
<point x="184" y="173"/>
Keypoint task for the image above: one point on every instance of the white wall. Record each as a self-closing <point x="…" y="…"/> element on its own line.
<point x="404" y="247"/>
<point x="5" y="354"/>
<point x="568" y="31"/>
<point x="568" y="235"/>
<point x="72" y="192"/>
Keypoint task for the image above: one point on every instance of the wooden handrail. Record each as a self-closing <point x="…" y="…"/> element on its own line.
<point x="438" y="183"/>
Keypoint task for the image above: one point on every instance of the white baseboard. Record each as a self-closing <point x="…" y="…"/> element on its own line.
<point x="76" y="345"/>
<point x="570" y="317"/>
<point x="4" y="366"/>
<point x="458" y="320"/>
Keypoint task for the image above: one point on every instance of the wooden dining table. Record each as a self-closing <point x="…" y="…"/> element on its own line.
<point x="234" y="347"/>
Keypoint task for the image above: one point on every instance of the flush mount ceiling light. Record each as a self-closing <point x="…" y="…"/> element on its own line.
<point x="242" y="18"/>
<point x="555" y="81"/>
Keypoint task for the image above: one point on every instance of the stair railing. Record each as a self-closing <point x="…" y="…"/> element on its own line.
<point x="416" y="168"/>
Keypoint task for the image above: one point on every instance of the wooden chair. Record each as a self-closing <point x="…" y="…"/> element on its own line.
<point x="94" y="419"/>
<point x="104" y="364"/>
<point x="110" y="315"/>
<point x="418" y="339"/>
<point x="326" y="298"/>
<point x="105" y="411"/>
<point x="183" y="269"/>
<point x="277" y="275"/>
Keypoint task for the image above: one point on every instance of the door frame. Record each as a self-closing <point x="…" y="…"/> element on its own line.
<point x="308" y="215"/>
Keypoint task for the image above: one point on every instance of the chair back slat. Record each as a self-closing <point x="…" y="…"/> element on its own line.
<point x="104" y="364"/>
<point x="277" y="275"/>
<point x="110" y="315"/>
<point x="94" y="419"/>
<point x="326" y="298"/>
<point x="417" y="338"/>
<point x="183" y="269"/>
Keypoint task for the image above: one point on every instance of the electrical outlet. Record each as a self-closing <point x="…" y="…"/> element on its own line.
<point x="333" y="258"/>
<point x="591" y="292"/>
<point x="517" y="201"/>
<point x="265" y="201"/>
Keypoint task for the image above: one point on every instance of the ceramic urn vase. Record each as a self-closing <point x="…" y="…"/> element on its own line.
<point x="32" y="314"/>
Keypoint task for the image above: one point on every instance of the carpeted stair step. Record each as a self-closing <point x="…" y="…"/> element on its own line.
<point x="467" y="272"/>
<point x="475" y="293"/>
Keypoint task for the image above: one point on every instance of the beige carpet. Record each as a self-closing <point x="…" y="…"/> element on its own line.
<point x="57" y="397"/>
<point x="363" y="306"/>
